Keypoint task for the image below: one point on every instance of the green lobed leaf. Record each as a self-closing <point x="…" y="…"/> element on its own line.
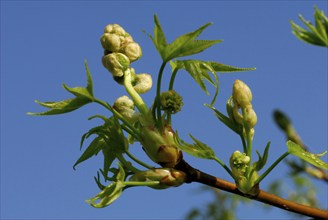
<point x="110" y="193"/>
<point x="186" y="45"/>
<point x="198" y="70"/>
<point x="89" y="79"/>
<point x="93" y="149"/>
<point x="183" y="45"/>
<point x="198" y="149"/>
<point x="116" y="143"/>
<point x="83" y="97"/>
<point x="61" y="107"/>
<point x="227" y="121"/>
<point x="316" y="35"/>
<point x="223" y="68"/>
<point x="79" y="92"/>
<point x="313" y="159"/>
<point x="159" y="38"/>
<point x="258" y="165"/>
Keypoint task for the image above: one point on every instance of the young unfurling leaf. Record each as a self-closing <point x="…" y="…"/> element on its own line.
<point x="84" y="95"/>
<point x="198" y="149"/>
<point x="185" y="45"/>
<point x="110" y="193"/>
<point x="313" y="159"/>
<point x="61" y="107"/>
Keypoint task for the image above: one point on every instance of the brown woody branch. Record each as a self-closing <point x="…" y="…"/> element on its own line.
<point x="194" y="175"/>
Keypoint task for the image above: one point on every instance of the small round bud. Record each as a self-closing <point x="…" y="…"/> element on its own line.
<point x="111" y="42"/>
<point x="241" y="94"/>
<point x="115" y="29"/>
<point x="142" y="82"/>
<point x="167" y="177"/>
<point x="125" y="106"/>
<point x="171" y="101"/>
<point x="122" y="103"/>
<point x="116" y="63"/>
<point x="133" y="51"/>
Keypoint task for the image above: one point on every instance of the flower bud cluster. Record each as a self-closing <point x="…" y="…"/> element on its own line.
<point x="242" y="98"/>
<point x="239" y="162"/>
<point x="119" y="49"/>
<point x="167" y="177"/>
<point x="125" y="106"/>
<point x="171" y="101"/>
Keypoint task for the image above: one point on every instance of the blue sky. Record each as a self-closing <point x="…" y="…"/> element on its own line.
<point x="44" y="44"/>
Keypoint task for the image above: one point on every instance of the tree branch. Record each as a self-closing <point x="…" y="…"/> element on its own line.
<point x="194" y="175"/>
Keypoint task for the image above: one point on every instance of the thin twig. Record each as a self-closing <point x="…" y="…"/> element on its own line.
<point x="194" y="175"/>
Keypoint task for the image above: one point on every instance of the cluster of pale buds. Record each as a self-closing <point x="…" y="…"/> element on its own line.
<point x="120" y="49"/>
<point x="242" y="98"/>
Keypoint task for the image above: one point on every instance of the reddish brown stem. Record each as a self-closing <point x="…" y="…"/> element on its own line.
<point x="195" y="175"/>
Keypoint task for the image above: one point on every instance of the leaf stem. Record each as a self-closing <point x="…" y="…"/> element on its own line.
<point x="137" y="183"/>
<point x="271" y="167"/>
<point x="244" y="143"/>
<point x="174" y="73"/>
<point x="139" y="103"/>
<point x="127" y="164"/>
<point x="138" y="161"/>
<point x="118" y="115"/>
<point x="158" y="93"/>
<point x="224" y="166"/>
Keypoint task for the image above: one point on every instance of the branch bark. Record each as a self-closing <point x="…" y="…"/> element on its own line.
<point x="194" y="175"/>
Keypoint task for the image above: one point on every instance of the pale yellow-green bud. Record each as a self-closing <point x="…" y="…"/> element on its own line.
<point x="236" y="115"/>
<point x="133" y="51"/>
<point x="167" y="177"/>
<point x="115" y="39"/>
<point x="239" y="163"/>
<point x="241" y="94"/>
<point x="115" y="29"/>
<point x="161" y="147"/>
<point x="111" y="42"/>
<point x="250" y="116"/>
<point x="125" y="106"/>
<point x="116" y="63"/>
<point x="142" y="82"/>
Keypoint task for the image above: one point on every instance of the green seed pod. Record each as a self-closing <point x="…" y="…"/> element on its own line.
<point x="125" y="106"/>
<point x="142" y="82"/>
<point x="116" y="63"/>
<point x="167" y="177"/>
<point x="241" y="94"/>
<point x="171" y="101"/>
